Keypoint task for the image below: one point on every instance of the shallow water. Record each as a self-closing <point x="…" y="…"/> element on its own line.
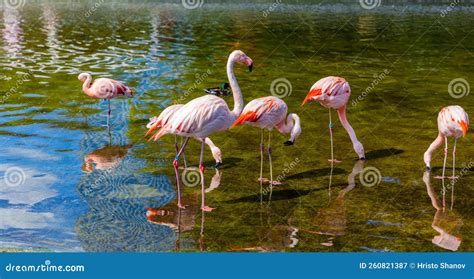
<point x="80" y="188"/>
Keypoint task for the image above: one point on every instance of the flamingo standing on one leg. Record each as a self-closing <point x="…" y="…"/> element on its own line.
<point x="165" y="116"/>
<point x="204" y="116"/>
<point x="334" y="92"/>
<point x="268" y="113"/>
<point x="104" y="88"/>
<point x="453" y="121"/>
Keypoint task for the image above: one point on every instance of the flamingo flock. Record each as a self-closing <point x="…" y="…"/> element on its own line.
<point x="210" y="114"/>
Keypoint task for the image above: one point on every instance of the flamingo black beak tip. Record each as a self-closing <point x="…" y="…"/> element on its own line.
<point x="288" y="143"/>
<point x="250" y="67"/>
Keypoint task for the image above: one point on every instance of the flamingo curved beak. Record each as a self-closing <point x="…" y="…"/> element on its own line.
<point x="250" y="67"/>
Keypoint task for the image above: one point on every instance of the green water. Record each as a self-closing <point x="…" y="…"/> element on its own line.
<point x="403" y="57"/>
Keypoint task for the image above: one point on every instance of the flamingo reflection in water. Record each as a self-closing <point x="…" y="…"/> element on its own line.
<point x="274" y="238"/>
<point x="105" y="158"/>
<point x="331" y="221"/>
<point x="445" y="221"/>
<point x="183" y="219"/>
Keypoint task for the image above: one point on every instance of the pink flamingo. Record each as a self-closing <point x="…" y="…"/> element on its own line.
<point x="268" y="113"/>
<point x="334" y="92"/>
<point x="204" y="116"/>
<point x="453" y="121"/>
<point x="104" y="88"/>
<point x="165" y="116"/>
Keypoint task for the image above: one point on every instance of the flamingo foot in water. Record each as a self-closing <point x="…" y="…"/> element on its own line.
<point x="266" y="180"/>
<point x="335" y="161"/>
<point x="181" y="206"/>
<point x="207" y="208"/>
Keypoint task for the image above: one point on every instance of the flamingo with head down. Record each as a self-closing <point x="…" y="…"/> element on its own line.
<point x="104" y="88"/>
<point x="268" y="113"/>
<point x="204" y="116"/>
<point x="166" y="116"/>
<point x="334" y="92"/>
<point x="453" y="121"/>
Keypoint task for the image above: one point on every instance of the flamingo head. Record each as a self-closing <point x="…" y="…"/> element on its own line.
<point x="84" y="76"/>
<point x="295" y="131"/>
<point x="240" y="57"/>
<point x="313" y="94"/>
<point x="359" y="149"/>
<point x="217" y="154"/>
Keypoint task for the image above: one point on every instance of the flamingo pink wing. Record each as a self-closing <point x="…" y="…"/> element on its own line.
<point x="254" y="110"/>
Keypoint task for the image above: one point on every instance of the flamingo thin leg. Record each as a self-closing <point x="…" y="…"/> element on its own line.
<point x="176" y="166"/>
<point x="184" y="157"/>
<point x="330" y="133"/>
<point x="108" y="113"/>
<point x="445" y="155"/>
<point x="262" y="149"/>
<point x="270" y="161"/>
<point x="176" y="146"/>
<point x="454" y="160"/>
<point x="454" y="174"/>
<point x="331" y="125"/>
<point x="203" y="186"/>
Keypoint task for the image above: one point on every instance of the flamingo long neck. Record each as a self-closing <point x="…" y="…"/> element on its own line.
<point x="86" y="86"/>
<point x="286" y="125"/>
<point x="291" y="125"/>
<point x="433" y="146"/>
<point x="237" y="94"/>
<point x="342" y="117"/>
